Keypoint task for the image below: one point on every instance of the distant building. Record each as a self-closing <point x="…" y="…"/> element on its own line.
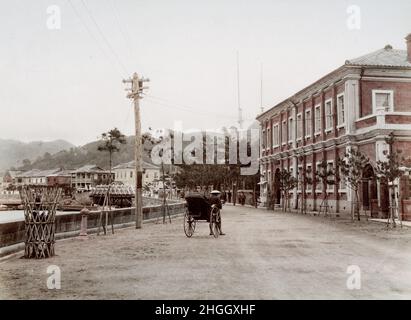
<point x="11" y="177"/>
<point x="126" y="173"/>
<point x="60" y="179"/>
<point x="35" y="177"/>
<point x="89" y="176"/>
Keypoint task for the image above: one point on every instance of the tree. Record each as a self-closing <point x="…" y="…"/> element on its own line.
<point x="389" y="171"/>
<point x="304" y="178"/>
<point x="110" y="142"/>
<point x="26" y="163"/>
<point x="286" y="183"/>
<point x="352" y="171"/>
<point x="326" y="177"/>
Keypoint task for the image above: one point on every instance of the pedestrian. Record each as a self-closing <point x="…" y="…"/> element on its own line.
<point x="214" y="199"/>
<point x="229" y="196"/>
<point x="242" y="198"/>
<point x="224" y="197"/>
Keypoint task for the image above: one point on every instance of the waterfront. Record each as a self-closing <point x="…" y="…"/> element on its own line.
<point x="18" y="215"/>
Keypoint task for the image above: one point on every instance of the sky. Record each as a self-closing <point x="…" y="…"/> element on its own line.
<point x="65" y="82"/>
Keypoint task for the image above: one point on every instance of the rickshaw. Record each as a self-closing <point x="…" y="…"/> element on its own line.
<point x="199" y="209"/>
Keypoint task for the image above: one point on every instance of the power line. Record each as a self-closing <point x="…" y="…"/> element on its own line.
<point x="104" y="37"/>
<point x="123" y="31"/>
<point x="90" y="33"/>
<point x="165" y="103"/>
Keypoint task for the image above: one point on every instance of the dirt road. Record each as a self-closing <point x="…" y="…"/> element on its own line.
<point x="264" y="255"/>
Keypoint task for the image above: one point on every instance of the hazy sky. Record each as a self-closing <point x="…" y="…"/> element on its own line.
<point x="66" y="83"/>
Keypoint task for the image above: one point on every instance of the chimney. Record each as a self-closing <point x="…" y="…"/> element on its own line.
<point x="408" y="38"/>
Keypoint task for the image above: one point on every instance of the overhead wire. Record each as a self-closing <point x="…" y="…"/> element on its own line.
<point x="104" y="37"/>
<point x="91" y="34"/>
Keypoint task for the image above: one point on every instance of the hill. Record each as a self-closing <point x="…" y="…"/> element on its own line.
<point x="76" y="157"/>
<point x="13" y="152"/>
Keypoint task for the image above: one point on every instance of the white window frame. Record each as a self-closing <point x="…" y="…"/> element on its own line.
<point x="374" y="100"/>
<point x="309" y="121"/>
<point x="299" y="124"/>
<point x="340" y="124"/>
<point x="317" y="131"/>
<point x="329" y="118"/>
<point x="276" y="129"/>
<point x="290" y="130"/>
<point x="284" y="136"/>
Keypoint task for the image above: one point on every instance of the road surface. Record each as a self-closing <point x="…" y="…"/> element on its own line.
<point x="265" y="255"/>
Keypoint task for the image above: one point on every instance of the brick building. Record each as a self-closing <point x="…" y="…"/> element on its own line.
<point x="356" y="106"/>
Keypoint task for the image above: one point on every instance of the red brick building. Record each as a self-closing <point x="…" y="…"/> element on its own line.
<point x="356" y="106"/>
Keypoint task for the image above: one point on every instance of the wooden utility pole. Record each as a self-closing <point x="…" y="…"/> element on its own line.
<point x="135" y="93"/>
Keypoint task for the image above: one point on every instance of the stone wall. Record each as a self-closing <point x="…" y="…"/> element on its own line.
<point x="68" y="225"/>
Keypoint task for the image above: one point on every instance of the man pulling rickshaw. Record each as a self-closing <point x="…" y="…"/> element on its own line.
<point x="202" y="208"/>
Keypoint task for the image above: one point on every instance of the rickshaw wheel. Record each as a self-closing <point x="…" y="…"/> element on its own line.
<point x="189" y="225"/>
<point x="214" y="222"/>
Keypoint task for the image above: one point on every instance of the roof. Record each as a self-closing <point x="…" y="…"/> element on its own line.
<point x="88" y="169"/>
<point x="386" y="57"/>
<point x="38" y="173"/>
<point x="14" y="173"/>
<point x="62" y="173"/>
<point x="131" y="165"/>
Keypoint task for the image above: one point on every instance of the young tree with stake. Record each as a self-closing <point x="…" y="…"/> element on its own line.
<point x="326" y="177"/>
<point x="352" y="171"/>
<point x="286" y="183"/>
<point x="389" y="172"/>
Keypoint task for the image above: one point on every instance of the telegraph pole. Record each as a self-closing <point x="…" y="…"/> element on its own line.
<point x="135" y="94"/>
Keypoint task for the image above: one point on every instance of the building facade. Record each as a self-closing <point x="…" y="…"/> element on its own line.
<point x="126" y="173"/>
<point x="35" y="177"/>
<point x="356" y="106"/>
<point x="89" y="176"/>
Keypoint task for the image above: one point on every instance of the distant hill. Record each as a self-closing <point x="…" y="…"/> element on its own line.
<point x="71" y="157"/>
<point x="76" y="157"/>
<point x="12" y="152"/>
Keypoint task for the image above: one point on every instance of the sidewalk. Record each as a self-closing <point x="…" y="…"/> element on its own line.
<point x="406" y="224"/>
